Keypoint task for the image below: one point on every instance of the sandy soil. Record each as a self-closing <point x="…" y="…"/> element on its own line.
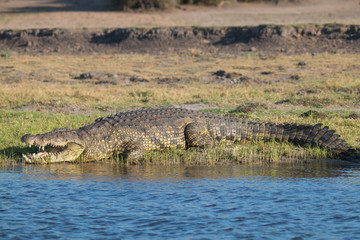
<point x="25" y="14"/>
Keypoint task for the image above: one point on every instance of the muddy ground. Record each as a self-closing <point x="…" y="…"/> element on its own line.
<point x="271" y="40"/>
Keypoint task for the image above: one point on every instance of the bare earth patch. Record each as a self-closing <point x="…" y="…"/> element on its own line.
<point x="271" y="40"/>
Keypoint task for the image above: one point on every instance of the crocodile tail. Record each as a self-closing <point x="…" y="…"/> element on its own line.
<point x="302" y="134"/>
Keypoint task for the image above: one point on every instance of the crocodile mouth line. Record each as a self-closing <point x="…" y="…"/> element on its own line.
<point x="44" y="153"/>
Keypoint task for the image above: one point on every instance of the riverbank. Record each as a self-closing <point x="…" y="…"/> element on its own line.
<point x="235" y="59"/>
<point x="41" y="93"/>
<point x="264" y="39"/>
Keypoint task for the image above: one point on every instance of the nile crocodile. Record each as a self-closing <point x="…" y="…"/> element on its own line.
<point x="131" y="133"/>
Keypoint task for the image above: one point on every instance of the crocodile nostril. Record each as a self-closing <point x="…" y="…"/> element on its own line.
<point x="27" y="138"/>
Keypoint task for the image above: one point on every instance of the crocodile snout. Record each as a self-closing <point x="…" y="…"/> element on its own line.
<point x="28" y="138"/>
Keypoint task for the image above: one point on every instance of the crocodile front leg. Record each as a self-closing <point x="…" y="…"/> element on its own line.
<point x="132" y="152"/>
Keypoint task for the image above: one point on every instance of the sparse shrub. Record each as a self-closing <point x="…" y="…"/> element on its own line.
<point x="145" y="4"/>
<point x="205" y="2"/>
<point x="159" y="4"/>
<point x="5" y="54"/>
<point x="271" y="1"/>
<point x="165" y="4"/>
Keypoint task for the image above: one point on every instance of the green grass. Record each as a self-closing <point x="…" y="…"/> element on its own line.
<point x="247" y="152"/>
<point x="13" y="125"/>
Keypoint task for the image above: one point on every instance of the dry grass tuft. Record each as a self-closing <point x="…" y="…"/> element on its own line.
<point x="132" y="81"/>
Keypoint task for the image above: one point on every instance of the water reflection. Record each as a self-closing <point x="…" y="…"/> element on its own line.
<point x="108" y="171"/>
<point x="317" y="200"/>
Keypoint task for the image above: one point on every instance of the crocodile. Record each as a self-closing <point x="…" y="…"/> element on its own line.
<point x="132" y="133"/>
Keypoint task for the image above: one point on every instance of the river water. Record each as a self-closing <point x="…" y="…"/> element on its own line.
<point x="108" y="201"/>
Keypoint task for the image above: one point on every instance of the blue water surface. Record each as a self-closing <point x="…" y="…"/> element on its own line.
<point x="110" y="201"/>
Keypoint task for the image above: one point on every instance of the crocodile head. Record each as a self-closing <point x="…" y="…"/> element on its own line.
<point x="60" y="145"/>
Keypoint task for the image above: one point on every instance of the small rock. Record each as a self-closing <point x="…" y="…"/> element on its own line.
<point x="249" y="107"/>
<point x="90" y="75"/>
<point x="300" y="93"/>
<point x="354" y="116"/>
<point x="114" y="75"/>
<point x="233" y="75"/>
<point x="266" y="73"/>
<point x="219" y="73"/>
<point x="232" y="78"/>
<point x="294" y="77"/>
<point x="282" y="101"/>
<point x="286" y="31"/>
<point x="135" y="78"/>
<point x="313" y="114"/>
<point x="301" y="63"/>
<point x="86" y="75"/>
<point x="103" y="82"/>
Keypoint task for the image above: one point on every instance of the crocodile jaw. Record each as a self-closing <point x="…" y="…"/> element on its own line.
<point x="52" y="154"/>
<point x="52" y="151"/>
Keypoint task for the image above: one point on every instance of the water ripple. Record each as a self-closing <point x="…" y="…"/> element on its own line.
<point x="231" y="202"/>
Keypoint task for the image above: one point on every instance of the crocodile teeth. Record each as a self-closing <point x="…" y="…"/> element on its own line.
<point x="27" y="159"/>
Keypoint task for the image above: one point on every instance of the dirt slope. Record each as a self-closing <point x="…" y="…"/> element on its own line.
<point x="265" y="39"/>
<point x="91" y="26"/>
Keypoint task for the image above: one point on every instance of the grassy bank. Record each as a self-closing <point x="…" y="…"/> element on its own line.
<point x="14" y="124"/>
<point x="40" y="93"/>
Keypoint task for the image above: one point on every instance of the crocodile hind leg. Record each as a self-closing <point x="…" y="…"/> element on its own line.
<point x="197" y="135"/>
